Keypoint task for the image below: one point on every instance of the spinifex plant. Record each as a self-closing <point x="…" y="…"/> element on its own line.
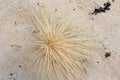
<point x="61" y="42"/>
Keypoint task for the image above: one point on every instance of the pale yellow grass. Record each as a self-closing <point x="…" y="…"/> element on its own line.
<point x="61" y="43"/>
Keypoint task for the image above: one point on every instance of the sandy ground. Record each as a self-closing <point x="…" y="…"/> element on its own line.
<point x="15" y="38"/>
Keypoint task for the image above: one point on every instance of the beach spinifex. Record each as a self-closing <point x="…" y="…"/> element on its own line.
<point x="61" y="42"/>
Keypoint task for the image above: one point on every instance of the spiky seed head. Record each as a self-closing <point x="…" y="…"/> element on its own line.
<point x="61" y="43"/>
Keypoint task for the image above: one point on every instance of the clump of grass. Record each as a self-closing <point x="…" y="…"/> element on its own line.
<point x="60" y="44"/>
